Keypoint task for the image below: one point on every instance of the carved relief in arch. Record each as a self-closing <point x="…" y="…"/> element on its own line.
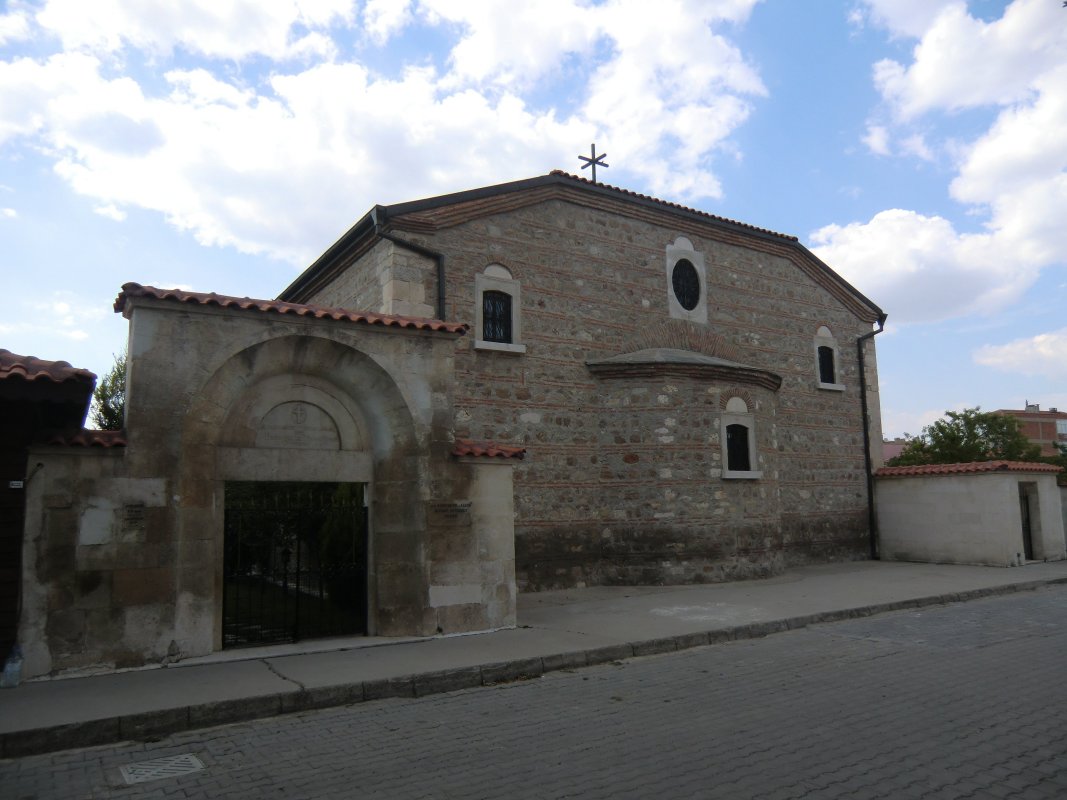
<point x="298" y="425"/>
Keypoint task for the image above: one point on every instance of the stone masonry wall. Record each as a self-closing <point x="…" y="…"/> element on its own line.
<point x="622" y="481"/>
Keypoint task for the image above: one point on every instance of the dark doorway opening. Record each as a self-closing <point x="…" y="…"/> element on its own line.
<point x="295" y="562"/>
<point x="1028" y="523"/>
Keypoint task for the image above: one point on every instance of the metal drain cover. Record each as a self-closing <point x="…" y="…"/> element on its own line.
<point x="169" y="767"/>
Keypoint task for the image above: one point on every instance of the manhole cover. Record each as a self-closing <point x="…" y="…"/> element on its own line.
<point x="169" y="767"/>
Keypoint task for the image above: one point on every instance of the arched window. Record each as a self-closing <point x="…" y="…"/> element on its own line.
<point x="737" y="457"/>
<point x="739" y="441"/>
<point x="497" y="309"/>
<point x="827" y="360"/>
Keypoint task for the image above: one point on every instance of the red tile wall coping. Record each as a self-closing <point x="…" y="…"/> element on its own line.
<point x="968" y="468"/>
<point x="29" y="368"/>
<point x="669" y="204"/>
<point x="466" y="447"/>
<point x="280" y="307"/>
<point x="88" y="438"/>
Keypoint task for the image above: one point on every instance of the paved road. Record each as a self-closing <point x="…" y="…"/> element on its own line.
<point x="951" y="702"/>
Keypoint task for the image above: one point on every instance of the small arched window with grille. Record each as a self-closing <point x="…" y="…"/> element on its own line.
<point x="496" y="317"/>
<point x="498" y="311"/>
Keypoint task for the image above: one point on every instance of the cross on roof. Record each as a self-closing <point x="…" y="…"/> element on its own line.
<point x="593" y="159"/>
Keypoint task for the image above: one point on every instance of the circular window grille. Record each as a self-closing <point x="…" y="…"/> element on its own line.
<point x="686" y="284"/>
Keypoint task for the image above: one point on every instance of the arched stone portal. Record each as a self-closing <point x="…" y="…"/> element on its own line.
<point x="225" y="394"/>
<point x="302" y="408"/>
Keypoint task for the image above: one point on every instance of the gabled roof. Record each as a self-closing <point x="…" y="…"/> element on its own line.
<point x="967" y="468"/>
<point x="30" y="368"/>
<point x="444" y="211"/>
<point x="91" y="438"/>
<point x="136" y="290"/>
<point x="42" y="397"/>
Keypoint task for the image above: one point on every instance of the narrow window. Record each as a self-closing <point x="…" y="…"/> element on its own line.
<point x="496" y="316"/>
<point x="737" y="456"/>
<point x="827" y="357"/>
<point x="826" y="365"/>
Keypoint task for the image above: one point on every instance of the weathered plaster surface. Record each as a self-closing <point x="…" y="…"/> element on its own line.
<point x="967" y="519"/>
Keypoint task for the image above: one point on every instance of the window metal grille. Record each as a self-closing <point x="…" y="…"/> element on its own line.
<point x="496" y="317"/>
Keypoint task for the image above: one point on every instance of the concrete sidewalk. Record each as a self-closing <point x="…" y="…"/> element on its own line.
<point x="557" y="630"/>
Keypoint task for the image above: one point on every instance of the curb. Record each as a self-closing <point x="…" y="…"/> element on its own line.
<point x="154" y="724"/>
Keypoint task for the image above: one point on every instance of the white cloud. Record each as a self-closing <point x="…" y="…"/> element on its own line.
<point x="10" y="213"/>
<point x="877" y="139"/>
<point x="281" y="166"/>
<point x="14" y="26"/>
<point x="229" y="30"/>
<point x="920" y="267"/>
<point x="1042" y="355"/>
<point x="382" y="19"/>
<point x="964" y="62"/>
<point x="910" y="18"/>
<point x="111" y="211"/>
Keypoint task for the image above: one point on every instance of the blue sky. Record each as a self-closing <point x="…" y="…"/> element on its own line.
<point x="918" y="146"/>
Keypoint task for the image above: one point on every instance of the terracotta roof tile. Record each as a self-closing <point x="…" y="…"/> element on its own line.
<point x="281" y="307"/>
<point x="968" y="468"/>
<point x="88" y="438"/>
<point x="466" y="447"/>
<point x="29" y="368"/>
<point x="669" y="204"/>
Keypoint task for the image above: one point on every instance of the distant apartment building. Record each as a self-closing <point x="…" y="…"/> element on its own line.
<point x="891" y="448"/>
<point x="1044" y="428"/>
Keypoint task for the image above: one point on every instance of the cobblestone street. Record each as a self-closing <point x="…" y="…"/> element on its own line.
<point x="949" y="702"/>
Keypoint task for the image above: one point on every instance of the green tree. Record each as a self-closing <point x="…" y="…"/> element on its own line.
<point x="968" y="435"/>
<point x="108" y="412"/>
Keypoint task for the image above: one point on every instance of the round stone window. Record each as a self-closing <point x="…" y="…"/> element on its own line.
<point x="686" y="284"/>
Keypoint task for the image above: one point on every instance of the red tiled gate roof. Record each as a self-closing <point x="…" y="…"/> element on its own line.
<point x="133" y="290"/>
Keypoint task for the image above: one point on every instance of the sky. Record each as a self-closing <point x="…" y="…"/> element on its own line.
<point x="918" y="147"/>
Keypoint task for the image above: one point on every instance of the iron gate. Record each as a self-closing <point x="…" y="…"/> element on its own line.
<point x="295" y="562"/>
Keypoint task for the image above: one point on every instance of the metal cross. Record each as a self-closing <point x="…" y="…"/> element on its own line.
<point x="593" y="159"/>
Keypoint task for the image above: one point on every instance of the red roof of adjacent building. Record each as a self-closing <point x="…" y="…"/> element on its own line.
<point x="964" y="469"/>
<point x="29" y="368"/>
<point x="466" y="447"/>
<point x="130" y="290"/>
<point x="88" y="438"/>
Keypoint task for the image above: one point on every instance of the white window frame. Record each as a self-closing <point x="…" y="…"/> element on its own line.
<point x="824" y="338"/>
<point x="737" y="413"/>
<point x="683" y="249"/>
<point x="496" y="277"/>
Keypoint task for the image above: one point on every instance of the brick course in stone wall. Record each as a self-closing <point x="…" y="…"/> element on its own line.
<point x="623" y="477"/>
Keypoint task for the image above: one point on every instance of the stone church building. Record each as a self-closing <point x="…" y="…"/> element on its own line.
<point x="541" y="384"/>
<point x="689" y="390"/>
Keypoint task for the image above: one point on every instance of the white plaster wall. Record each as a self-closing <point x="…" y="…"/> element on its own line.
<point x="493" y="520"/>
<point x="964" y="519"/>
